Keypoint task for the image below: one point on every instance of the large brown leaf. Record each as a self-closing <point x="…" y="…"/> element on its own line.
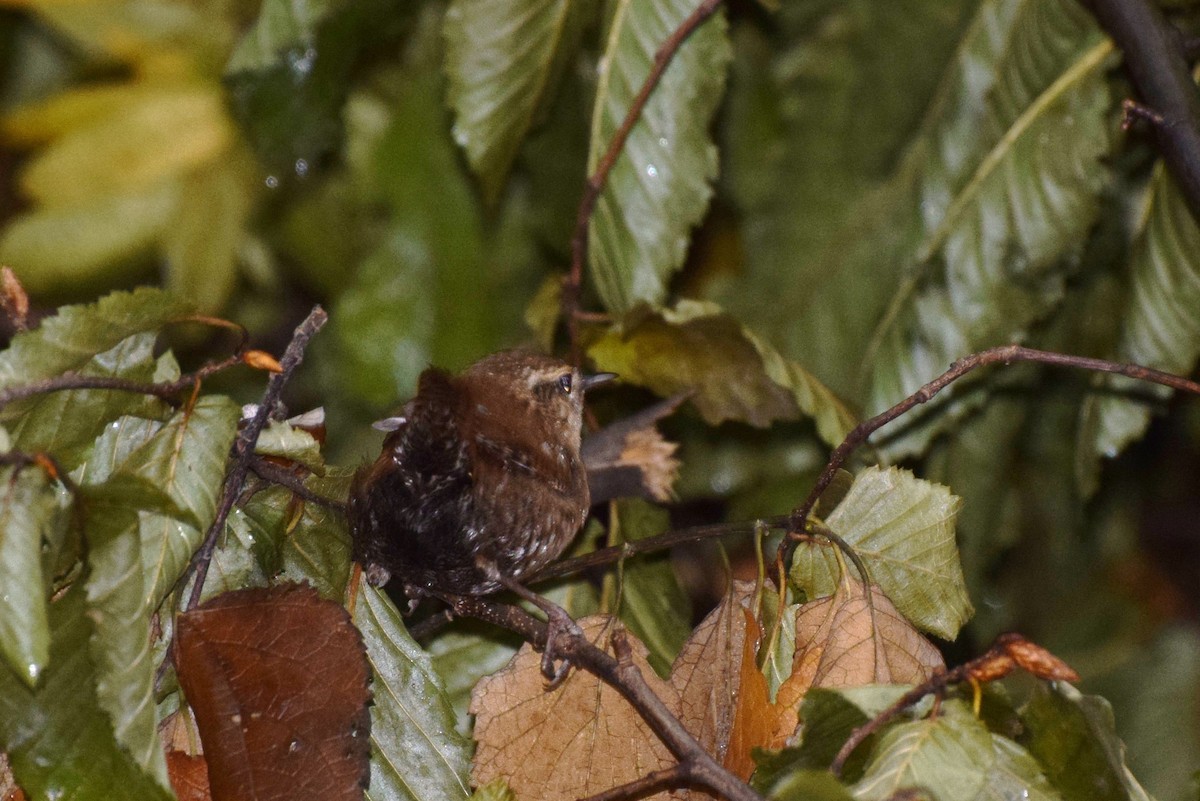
<point x="844" y="641"/>
<point x="278" y="681"/>
<point x="577" y="740"/>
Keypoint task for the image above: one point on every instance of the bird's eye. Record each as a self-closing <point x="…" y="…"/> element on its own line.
<point x="564" y="383"/>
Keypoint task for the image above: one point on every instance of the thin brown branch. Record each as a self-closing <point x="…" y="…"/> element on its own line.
<point x="1007" y="653"/>
<point x="243" y="447"/>
<point x="573" y="285"/>
<point x="1005" y="354"/>
<point x="623" y="675"/>
<point x="276" y="474"/>
<point x="1156" y="59"/>
<point x="650" y="783"/>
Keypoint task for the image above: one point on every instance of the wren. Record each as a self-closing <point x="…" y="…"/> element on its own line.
<point x="480" y="478"/>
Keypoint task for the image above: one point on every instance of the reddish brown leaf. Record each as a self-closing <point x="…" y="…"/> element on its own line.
<point x="1037" y="660"/>
<point x="9" y="791"/>
<point x="189" y="776"/>
<point x="575" y="741"/>
<point x="844" y="641"/>
<point x="723" y="695"/>
<point x="278" y="681"/>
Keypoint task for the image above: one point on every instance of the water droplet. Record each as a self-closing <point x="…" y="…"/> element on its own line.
<point x="33" y="671"/>
<point x="301" y="62"/>
<point x="293" y="746"/>
<point x="301" y="167"/>
<point x="272" y="182"/>
<point x="662" y="141"/>
<point x="651" y="170"/>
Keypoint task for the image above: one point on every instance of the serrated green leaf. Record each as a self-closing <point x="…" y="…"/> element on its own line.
<point x="659" y="187"/>
<point x="903" y="528"/>
<point x="952" y="756"/>
<point x="120" y="644"/>
<point x="29" y="508"/>
<point x="1074" y="738"/>
<point x="66" y="424"/>
<point x="819" y="109"/>
<point x="59" y="741"/>
<point x="502" y="60"/>
<point x="734" y="374"/>
<point x="465" y="655"/>
<point x="75" y="334"/>
<point x="415" y="751"/>
<point x="1160" y="327"/>
<point x="653" y="605"/>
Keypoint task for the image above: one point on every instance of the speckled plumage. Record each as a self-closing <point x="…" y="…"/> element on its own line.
<point x="484" y="466"/>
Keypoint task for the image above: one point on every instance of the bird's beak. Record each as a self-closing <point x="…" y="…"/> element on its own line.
<point x="590" y="381"/>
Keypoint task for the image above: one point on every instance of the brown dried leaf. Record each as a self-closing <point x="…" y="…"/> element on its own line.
<point x="189" y="776"/>
<point x="575" y="741"/>
<point x="724" y="699"/>
<point x="9" y="791"/>
<point x="277" y="678"/>
<point x="13" y="299"/>
<point x="842" y="642"/>
<point x="1037" y="660"/>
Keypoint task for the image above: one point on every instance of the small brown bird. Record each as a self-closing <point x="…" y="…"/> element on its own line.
<point x="480" y="475"/>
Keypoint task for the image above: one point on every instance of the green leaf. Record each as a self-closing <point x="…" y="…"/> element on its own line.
<point x="808" y="785"/>
<point x="120" y="645"/>
<point x="735" y="375"/>
<point x="281" y="440"/>
<point x="903" y="528"/>
<point x="280" y="26"/>
<point x="59" y="741"/>
<point x="1074" y="737"/>
<point x="829" y="718"/>
<point x="1159" y="327"/>
<point x="201" y="243"/>
<point x="503" y="58"/>
<point x="316" y="547"/>
<point x="653" y="605"/>
<point x="463" y="656"/>
<point x="416" y="752"/>
<point x="659" y="187"/>
<point x="69" y="339"/>
<point x="495" y="790"/>
<point x="66" y="424"/>
<point x="29" y="509"/>
<point x="820" y="107"/>
<point x="952" y="756"/>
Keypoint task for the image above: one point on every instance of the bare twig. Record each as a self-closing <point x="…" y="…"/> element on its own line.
<point x="243" y="447"/>
<point x="1156" y="59"/>
<point x="1008" y="652"/>
<point x="269" y="471"/>
<point x="1005" y="354"/>
<point x="639" y="788"/>
<point x="696" y="765"/>
<point x="572" y="287"/>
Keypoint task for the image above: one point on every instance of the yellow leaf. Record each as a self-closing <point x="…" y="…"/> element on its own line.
<point x="139" y="142"/>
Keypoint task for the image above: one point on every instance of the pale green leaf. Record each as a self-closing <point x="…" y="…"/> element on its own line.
<point x="495" y="790"/>
<point x="735" y="375"/>
<point x="653" y="605"/>
<point x="463" y="656"/>
<point x="953" y="756"/>
<point x="200" y="246"/>
<point x="62" y="248"/>
<point x="28" y="509"/>
<point x="903" y="528"/>
<point x="416" y="753"/>
<point x="59" y="741"/>
<point x="69" y="339"/>
<point x="659" y="188"/>
<point x="1160" y="327"/>
<point x="502" y="60"/>
<point x="281" y="440"/>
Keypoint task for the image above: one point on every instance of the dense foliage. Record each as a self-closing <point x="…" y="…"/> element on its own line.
<point x="820" y="208"/>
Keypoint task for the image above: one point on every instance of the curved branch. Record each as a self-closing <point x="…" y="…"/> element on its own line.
<point x="1155" y="57"/>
